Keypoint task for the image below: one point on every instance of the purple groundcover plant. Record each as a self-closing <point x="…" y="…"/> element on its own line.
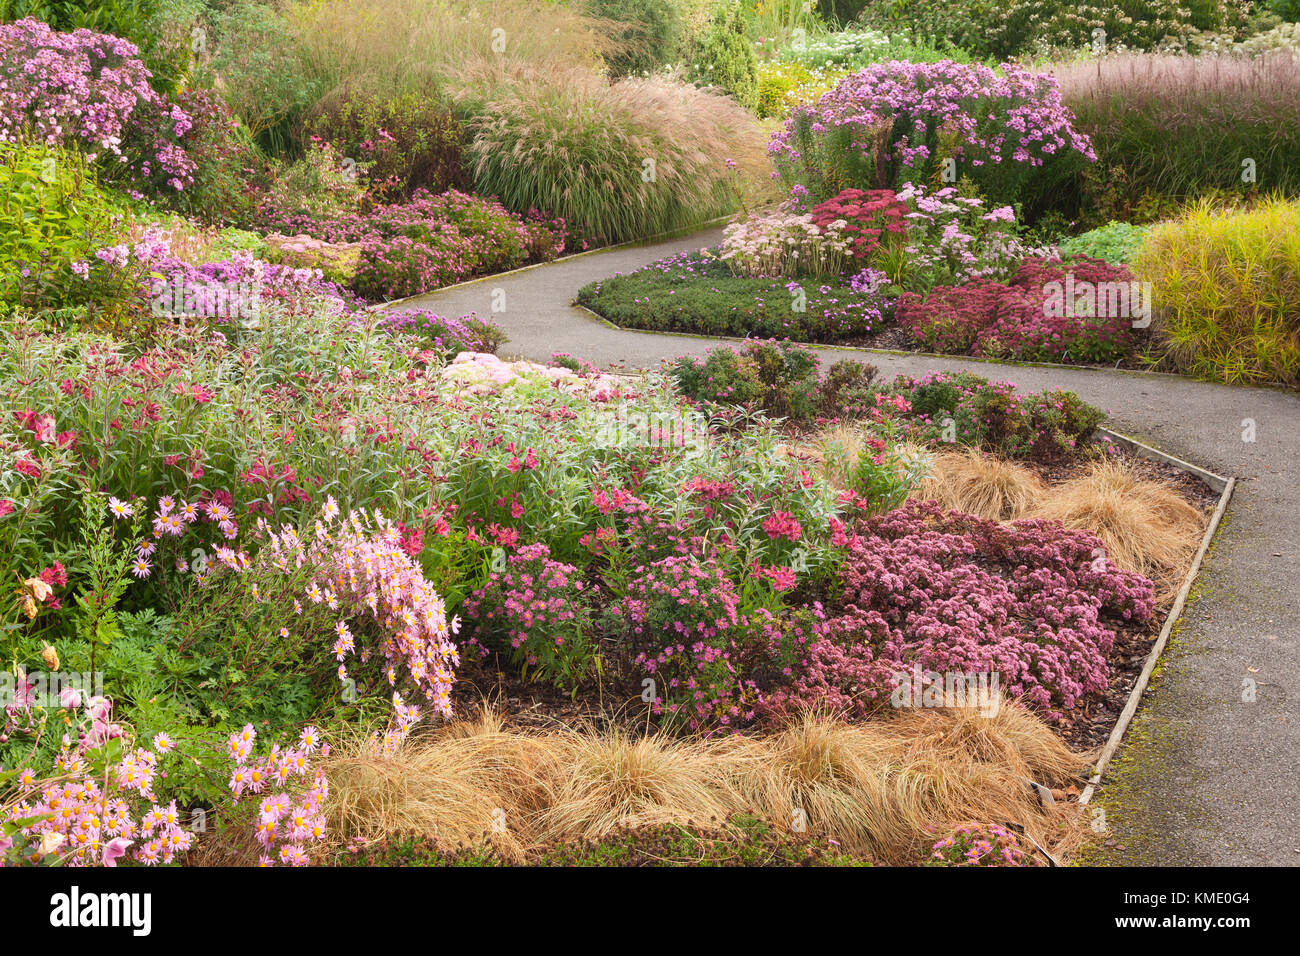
<point x="91" y="91"/>
<point x="896" y="122"/>
<point x="1034" y="602"/>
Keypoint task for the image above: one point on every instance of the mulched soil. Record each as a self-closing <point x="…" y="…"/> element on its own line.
<point x="614" y="703"/>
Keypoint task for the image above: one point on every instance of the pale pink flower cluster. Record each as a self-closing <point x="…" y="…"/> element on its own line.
<point x="286" y="821"/>
<point x="88" y="819"/>
<point x="363" y="570"/>
<point x="784" y="244"/>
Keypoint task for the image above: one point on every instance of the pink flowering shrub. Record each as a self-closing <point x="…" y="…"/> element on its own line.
<point x="896" y="122"/>
<point x="1017" y="319"/>
<point x="429" y="241"/>
<point x="682" y="619"/>
<point x="291" y="816"/>
<point x="951" y="592"/>
<point x="92" y="91"/>
<point x="542" y="609"/>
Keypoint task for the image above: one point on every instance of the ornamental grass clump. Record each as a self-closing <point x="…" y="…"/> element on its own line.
<point x="983" y="485"/>
<point x="898" y="122"/>
<point x="1226" y="292"/>
<point x="881" y="788"/>
<point x="1145" y="525"/>
<point x="625" y="161"/>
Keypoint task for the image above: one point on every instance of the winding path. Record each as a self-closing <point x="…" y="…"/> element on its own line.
<point x="1203" y="776"/>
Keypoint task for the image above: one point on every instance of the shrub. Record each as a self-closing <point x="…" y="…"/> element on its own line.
<point x="949" y="238"/>
<point x="1002" y="31"/>
<point x="163" y="49"/>
<point x="1225" y="300"/>
<point x="91" y="91"/>
<point x="321" y="185"/>
<point x="873" y="218"/>
<point x="407" y="141"/>
<point x="1115" y="242"/>
<point x="910" y="571"/>
<point x="897" y="122"/>
<point x="53" y="218"/>
<point x="541" y="610"/>
<point x="1030" y="318"/>
<point x="228" y="167"/>
<point x="726" y="59"/>
<point x="649" y="33"/>
<point x="410" y="247"/>
<point x="625" y="161"/>
<point x="778" y="377"/>
<point x="447" y="335"/>
<point x="698" y="293"/>
<point x="683" y="617"/>
<point x="965" y="408"/>
<point x="255" y="62"/>
<point x="1177" y="127"/>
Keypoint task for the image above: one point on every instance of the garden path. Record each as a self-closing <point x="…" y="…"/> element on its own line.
<point x="1203" y="776"/>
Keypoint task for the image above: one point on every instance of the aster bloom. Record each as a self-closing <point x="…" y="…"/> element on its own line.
<point x="141" y="568"/>
<point x="120" y="509"/>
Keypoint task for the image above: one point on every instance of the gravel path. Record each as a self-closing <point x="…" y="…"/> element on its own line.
<point x="1204" y="776"/>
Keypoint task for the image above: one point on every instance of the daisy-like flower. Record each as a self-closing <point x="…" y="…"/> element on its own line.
<point x="120" y="508"/>
<point x="165" y="505"/>
<point x="141" y="568"/>
<point x="308" y="738"/>
<point x="146" y="547"/>
<point x="331" y="510"/>
<point x="189" y="512"/>
<point x="163" y="744"/>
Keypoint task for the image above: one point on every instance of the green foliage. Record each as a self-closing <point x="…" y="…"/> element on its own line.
<point x="968" y="409"/>
<point x="1226" y="292"/>
<point x="253" y="59"/>
<point x="726" y="58"/>
<point x="229" y="168"/>
<point x="650" y="34"/>
<point x="1116" y="242"/>
<point x="1006" y="29"/>
<point x="842" y="11"/>
<point x="409" y="141"/>
<point x="778" y="378"/>
<point x="1288" y="10"/>
<point x="322" y="185"/>
<point x="52" y="214"/>
<point x="705" y="297"/>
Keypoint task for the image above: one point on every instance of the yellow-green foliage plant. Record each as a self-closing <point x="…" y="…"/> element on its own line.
<point x="1225" y="284"/>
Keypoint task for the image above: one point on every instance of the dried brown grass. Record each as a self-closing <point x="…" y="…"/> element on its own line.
<point x="993" y="488"/>
<point x="1145" y="525"/>
<point x="874" y="788"/>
